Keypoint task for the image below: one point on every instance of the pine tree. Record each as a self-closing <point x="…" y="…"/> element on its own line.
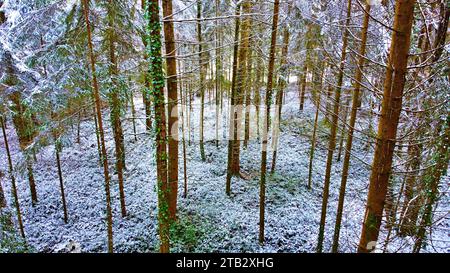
<point x="387" y="128"/>
<point x="13" y="179"/>
<point x="334" y="125"/>
<point x="116" y="104"/>
<point x="351" y="127"/>
<point x="100" y="127"/>
<point x="231" y="135"/>
<point x="172" y="166"/>
<point x="201" y="64"/>
<point x="262" y="194"/>
<point x="157" y="92"/>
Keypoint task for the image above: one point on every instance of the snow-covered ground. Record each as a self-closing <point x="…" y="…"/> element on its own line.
<point x="211" y="221"/>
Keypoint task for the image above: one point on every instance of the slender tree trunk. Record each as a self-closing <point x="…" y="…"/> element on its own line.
<point x="258" y="85"/>
<point x="183" y="132"/>
<point x="351" y="128"/>
<point x="116" y="106"/>
<point x="2" y="195"/>
<point x="172" y="92"/>
<point x="60" y="176"/>
<point x="410" y="208"/>
<point x="146" y="93"/>
<point x="202" y="77"/>
<point x="78" y="126"/>
<point x="97" y="135"/>
<point x="100" y="126"/>
<point x="232" y="102"/>
<point x="262" y="194"/>
<point x="279" y="99"/>
<point x="314" y="134"/>
<point x="31" y="179"/>
<point x="432" y="179"/>
<point x="441" y="33"/>
<point x="239" y="90"/>
<point x="248" y="93"/>
<point x="147" y="105"/>
<point x="58" y="147"/>
<point x="25" y="130"/>
<point x="133" y="116"/>
<point x="328" y="113"/>
<point x="217" y="72"/>
<point x="13" y="180"/>
<point x="343" y="129"/>
<point x="156" y="72"/>
<point x="334" y="125"/>
<point x="389" y="228"/>
<point x="189" y="111"/>
<point x="387" y="127"/>
<point x="302" y="83"/>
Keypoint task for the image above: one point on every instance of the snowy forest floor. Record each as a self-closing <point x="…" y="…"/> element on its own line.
<point x="209" y="220"/>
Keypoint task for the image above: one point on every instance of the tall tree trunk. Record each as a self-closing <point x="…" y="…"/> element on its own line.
<point x="97" y="135"/>
<point x="314" y="134"/>
<point x="201" y="64"/>
<point x="343" y="128"/>
<point x="232" y="102"/>
<point x="25" y="130"/>
<point x="334" y="125"/>
<point x="387" y="127"/>
<point x="239" y="90"/>
<point x="133" y="116"/>
<point x="441" y="33"/>
<point x="146" y="93"/>
<point x="258" y="83"/>
<point x="78" y="126"/>
<point x="116" y="106"/>
<point x="100" y="127"/>
<point x="262" y="193"/>
<point x="432" y="178"/>
<point x="218" y="71"/>
<point x="279" y="99"/>
<point x="248" y="90"/>
<point x="172" y="92"/>
<point x="58" y="147"/>
<point x="410" y="208"/>
<point x="351" y="128"/>
<point x="183" y="132"/>
<point x="2" y="195"/>
<point x="13" y="180"/>
<point x="302" y="82"/>
<point x="60" y="176"/>
<point x="157" y="76"/>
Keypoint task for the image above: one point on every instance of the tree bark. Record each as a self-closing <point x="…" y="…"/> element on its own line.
<point x="239" y="90"/>
<point x="232" y="103"/>
<point x="262" y="193"/>
<point x="13" y="179"/>
<point x="387" y="127"/>
<point x="26" y="132"/>
<point x="172" y="92"/>
<point x="100" y="126"/>
<point x="334" y="125"/>
<point x="201" y="64"/>
<point x="353" y="115"/>
<point x="157" y="76"/>
<point x="314" y="134"/>
<point x="116" y="106"/>
<point x="146" y="93"/>
<point x="279" y="97"/>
